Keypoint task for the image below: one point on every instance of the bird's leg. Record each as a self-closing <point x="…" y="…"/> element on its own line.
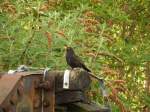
<point x="77" y="68"/>
<point x="71" y="69"/>
<point x="74" y="69"/>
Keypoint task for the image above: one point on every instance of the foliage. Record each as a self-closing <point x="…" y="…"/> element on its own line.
<point x="112" y="37"/>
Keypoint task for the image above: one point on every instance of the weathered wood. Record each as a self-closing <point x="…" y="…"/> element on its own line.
<point x="59" y="108"/>
<point x="79" y="80"/>
<point x="84" y="107"/>
<point x="66" y="97"/>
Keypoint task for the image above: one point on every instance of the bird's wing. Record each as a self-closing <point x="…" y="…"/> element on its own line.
<point x="78" y="61"/>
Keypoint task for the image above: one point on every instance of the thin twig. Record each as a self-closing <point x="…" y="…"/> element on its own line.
<point x="99" y="44"/>
<point x="111" y="55"/>
<point x="27" y="46"/>
<point x="106" y="54"/>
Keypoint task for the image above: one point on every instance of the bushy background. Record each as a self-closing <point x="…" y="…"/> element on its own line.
<point x="111" y="36"/>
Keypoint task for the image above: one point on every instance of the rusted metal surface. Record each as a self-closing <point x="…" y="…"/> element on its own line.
<point x="49" y="94"/>
<point x="11" y="92"/>
<point x="7" y="83"/>
<point x="28" y="92"/>
<point x="22" y="92"/>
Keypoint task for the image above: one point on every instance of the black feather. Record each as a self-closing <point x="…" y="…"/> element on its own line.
<point x="73" y="60"/>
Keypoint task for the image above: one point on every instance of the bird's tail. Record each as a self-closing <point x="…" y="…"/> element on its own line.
<point x="85" y="68"/>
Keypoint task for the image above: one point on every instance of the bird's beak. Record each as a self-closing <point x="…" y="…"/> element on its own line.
<point x="65" y="47"/>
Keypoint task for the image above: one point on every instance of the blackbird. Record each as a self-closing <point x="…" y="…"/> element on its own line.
<point x="73" y="60"/>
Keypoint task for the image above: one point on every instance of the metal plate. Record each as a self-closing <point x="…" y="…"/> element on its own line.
<point x="7" y="83"/>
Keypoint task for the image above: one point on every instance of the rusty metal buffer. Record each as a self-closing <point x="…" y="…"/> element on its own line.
<point x="36" y="92"/>
<point x="22" y="92"/>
